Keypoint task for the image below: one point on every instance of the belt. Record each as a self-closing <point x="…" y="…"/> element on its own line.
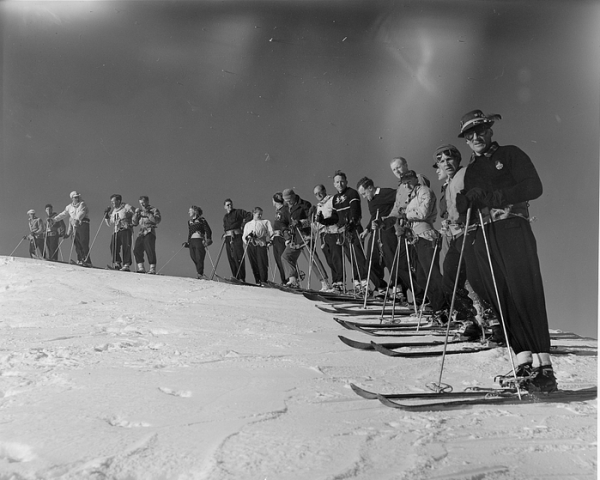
<point x="51" y="234"/>
<point x="85" y="220"/>
<point x="231" y="233"/>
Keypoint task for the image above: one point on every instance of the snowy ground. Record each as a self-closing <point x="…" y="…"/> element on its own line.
<point x="124" y="376"/>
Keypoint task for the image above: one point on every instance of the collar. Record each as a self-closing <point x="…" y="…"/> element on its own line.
<point x="488" y="153"/>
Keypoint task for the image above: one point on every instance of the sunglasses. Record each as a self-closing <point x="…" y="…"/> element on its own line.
<point x="448" y="153"/>
<point x="476" y="132"/>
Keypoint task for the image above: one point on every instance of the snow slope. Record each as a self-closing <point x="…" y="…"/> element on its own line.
<point x="123" y="376"/>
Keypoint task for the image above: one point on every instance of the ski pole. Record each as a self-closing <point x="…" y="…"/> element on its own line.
<point x="209" y="257"/>
<point x="92" y="245"/>
<point x="241" y="262"/>
<point x="19" y="244"/>
<point x="395" y="262"/>
<point x="439" y="387"/>
<point x="412" y="285"/>
<point x="160" y="269"/>
<point x="45" y="242"/>
<point x="72" y="242"/>
<point x="212" y="275"/>
<point x="508" y="347"/>
<point x="427" y="287"/>
<point x="373" y="236"/>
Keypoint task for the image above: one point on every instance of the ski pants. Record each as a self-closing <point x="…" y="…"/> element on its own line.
<point x="36" y="246"/>
<point x="463" y="304"/>
<point x="197" y="254"/>
<point x="235" y="255"/>
<point x="121" y="242"/>
<point x="52" y="242"/>
<point x="516" y="269"/>
<point x="278" y="249"/>
<point x="82" y="241"/>
<point x="426" y="261"/>
<point x="259" y="262"/>
<point x="145" y="244"/>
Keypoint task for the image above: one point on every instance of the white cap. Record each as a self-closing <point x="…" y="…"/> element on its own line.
<point x="74" y="193"/>
<point x="31" y="211"/>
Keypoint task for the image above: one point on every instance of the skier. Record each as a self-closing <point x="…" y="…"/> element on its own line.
<point x="499" y="182"/>
<point x="421" y="213"/>
<point x="280" y="227"/>
<point x="297" y="234"/>
<point x="257" y="238"/>
<point x="121" y="216"/>
<point x="147" y="218"/>
<point x="199" y="237"/>
<point x="328" y="235"/>
<point x="447" y="159"/>
<point x="233" y="224"/>
<point x="347" y="215"/>
<point x="36" y="235"/>
<point x="79" y="227"/>
<point x="53" y="234"/>
<point x="380" y="202"/>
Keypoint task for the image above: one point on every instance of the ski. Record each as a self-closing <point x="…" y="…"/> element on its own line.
<point x="391" y="345"/>
<point x="237" y="281"/>
<point x="372" y="311"/>
<point x="339" y="298"/>
<point x="379" y="330"/>
<point x="337" y="310"/>
<point x="428" y="353"/>
<point x="472" y="392"/>
<point x="437" y="402"/>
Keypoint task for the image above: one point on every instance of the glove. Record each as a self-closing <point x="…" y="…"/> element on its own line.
<point x="462" y="203"/>
<point x="320" y="218"/>
<point x="66" y="235"/>
<point x="376" y="224"/>
<point x="50" y="221"/>
<point x="185" y="245"/>
<point x="208" y="242"/>
<point x="478" y="197"/>
<point x="25" y="237"/>
<point x="400" y="230"/>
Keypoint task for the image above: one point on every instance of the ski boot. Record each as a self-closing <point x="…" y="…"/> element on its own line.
<point x="524" y="375"/>
<point x="542" y="380"/>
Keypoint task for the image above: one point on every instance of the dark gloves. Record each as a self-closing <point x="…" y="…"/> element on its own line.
<point x="208" y="242"/>
<point x="319" y="218"/>
<point x="400" y="230"/>
<point x="185" y="244"/>
<point x="478" y="198"/>
<point x="107" y="212"/>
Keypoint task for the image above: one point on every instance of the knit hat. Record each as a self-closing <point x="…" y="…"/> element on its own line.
<point x="32" y="211"/>
<point x="74" y="193"/>
<point x="278" y="197"/>
<point x="473" y="118"/>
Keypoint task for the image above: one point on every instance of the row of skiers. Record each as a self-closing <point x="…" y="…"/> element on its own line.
<point x="46" y="237"/>
<point x="486" y="241"/>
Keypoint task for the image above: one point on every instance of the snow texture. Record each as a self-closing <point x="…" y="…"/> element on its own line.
<point x="107" y="375"/>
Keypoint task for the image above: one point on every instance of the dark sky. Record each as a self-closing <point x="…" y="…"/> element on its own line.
<point x="194" y="102"/>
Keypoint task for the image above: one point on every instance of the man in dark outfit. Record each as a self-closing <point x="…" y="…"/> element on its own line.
<point x="233" y="224"/>
<point x="380" y="202"/>
<point x="280" y="227"/>
<point x="499" y="182"/>
<point x="347" y="214"/>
